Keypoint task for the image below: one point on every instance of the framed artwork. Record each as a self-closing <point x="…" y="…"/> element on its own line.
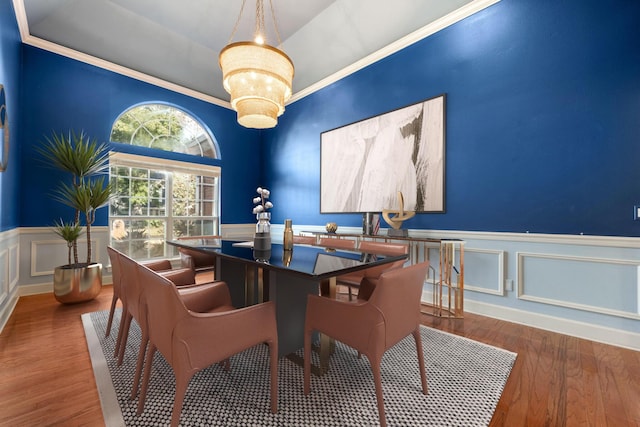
<point x="4" y="131"/>
<point x="365" y="164"/>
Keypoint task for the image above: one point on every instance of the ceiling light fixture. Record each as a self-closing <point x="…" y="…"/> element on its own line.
<point x="257" y="76"/>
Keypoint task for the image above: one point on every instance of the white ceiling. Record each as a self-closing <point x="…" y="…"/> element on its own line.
<point x="175" y="44"/>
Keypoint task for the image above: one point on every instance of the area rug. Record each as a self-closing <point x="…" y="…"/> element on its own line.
<point x="465" y="380"/>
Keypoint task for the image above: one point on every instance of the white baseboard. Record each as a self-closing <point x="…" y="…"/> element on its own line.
<point x="6" y="312"/>
<point x="559" y="325"/>
<point x="35" y="289"/>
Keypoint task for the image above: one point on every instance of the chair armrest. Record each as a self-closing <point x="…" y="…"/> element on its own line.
<point x="180" y="276"/>
<point x="206" y="297"/>
<point x="350" y="322"/>
<point x="158" y="265"/>
<point x="195" y="337"/>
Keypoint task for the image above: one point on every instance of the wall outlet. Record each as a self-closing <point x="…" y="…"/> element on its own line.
<point x="636" y="212"/>
<point x="508" y="285"/>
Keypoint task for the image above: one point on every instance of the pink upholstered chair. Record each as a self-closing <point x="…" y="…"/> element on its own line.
<point x="160" y="265"/>
<point x="206" y="298"/>
<point x="337" y="243"/>
<point x="374" y="326"/>
<point x="352" y="280"/>
<point x="304" y="240"/>
<point x="192" y="341"/>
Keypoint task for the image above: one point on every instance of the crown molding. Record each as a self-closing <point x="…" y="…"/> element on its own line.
<point x="432" y="28"/>
<point x="422" y="33"/>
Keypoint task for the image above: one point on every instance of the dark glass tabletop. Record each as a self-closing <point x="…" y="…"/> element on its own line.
<point x="311" y="261"/>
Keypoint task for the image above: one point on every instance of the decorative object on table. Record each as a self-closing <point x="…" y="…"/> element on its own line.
<point x="287" y="256"/>
<point x="257" y="76"/>
<point x="370" y="224"/>
<point x="4" y="131"/>
<point x="396" y="221"/>
<point x="364" y="164"/>
<point x="83" y="159"/>
<point x="331" y="227"/>
<point x="262" y="238"/>
<point x="287" y="239"/>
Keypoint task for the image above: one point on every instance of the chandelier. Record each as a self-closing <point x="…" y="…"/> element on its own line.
<point x="257" y="76"/>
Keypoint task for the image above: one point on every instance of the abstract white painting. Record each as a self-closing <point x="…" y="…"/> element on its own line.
<point x="364" y="165"/>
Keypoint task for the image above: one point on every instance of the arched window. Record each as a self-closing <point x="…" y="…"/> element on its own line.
<point x="160" y="199"/>
<point x="163" y="127"/>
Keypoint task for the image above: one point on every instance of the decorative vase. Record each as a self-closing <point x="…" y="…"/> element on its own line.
<point x="262" y="238"/>
<point x="331" y="227"/>
<point x="72" y="284"/>
<point x="287" y="239"/>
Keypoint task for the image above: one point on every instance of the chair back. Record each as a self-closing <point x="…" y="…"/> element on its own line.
<point x="337" y="243"/>
<point x="163" y="308"/>
<point x="116" y="274"/>
<point x="397" y="295"/>
<point x="306" y="240"/>
<point x="131" y="288"/>
<point x="383" y="248"/>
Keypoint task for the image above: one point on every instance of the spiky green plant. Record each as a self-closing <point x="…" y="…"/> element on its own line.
<point x="82" y="158"/>
<point x="70" y="232"/>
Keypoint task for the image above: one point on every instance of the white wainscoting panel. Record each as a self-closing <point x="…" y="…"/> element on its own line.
<point x="4" y="275"/>
<point x="484" y="271"/>
<point x="564" y="280"/>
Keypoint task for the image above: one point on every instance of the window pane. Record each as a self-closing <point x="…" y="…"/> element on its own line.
<point x="163" y="127"/>
<point x="159" y="200"/>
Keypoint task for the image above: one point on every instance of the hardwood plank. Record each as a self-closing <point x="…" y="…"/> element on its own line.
<point x="46" y="376"/>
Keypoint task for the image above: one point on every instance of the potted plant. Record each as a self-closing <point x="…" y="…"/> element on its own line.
<point x="83" y="159"/>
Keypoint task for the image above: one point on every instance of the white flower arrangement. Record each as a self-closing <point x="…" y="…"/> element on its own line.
<point x="262" y="204"/>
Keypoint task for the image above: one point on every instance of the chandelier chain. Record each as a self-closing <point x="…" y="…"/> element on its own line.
<point x="235" y="27"/>
<point x="260" y="30"/>
<point x="275" y="24"/>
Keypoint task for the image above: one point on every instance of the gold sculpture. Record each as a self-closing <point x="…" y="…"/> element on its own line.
<point x="401" y="215"/>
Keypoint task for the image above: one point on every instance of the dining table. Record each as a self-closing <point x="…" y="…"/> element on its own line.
<point x="285" y="277"/>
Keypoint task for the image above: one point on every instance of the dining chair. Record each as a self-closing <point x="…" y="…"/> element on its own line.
<point x="196" y="260"/>
<point x="304" y="240"/>
<point x="352" y="280"/>
<point x="372" y="326"/>
<point x="337" y="243"/>
<point x="160" y="265"/>
<point x="190" y="342"/>
<point x="205" y="298"/>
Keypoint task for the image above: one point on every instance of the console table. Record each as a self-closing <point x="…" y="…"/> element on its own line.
<point x="448" y="288"/>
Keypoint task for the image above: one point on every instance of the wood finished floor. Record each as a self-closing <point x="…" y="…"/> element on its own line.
<point x="46" y="378"/>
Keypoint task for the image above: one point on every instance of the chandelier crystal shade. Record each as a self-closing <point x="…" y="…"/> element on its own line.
<point x="258" y="77"/>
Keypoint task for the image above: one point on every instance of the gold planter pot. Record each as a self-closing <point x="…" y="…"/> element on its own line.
<point x="77" y="284"/>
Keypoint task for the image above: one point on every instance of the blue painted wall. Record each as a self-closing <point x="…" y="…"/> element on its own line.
<point x="62" y="94"/>
<point x="543" y="120"/>
<point x="10" y="78"/>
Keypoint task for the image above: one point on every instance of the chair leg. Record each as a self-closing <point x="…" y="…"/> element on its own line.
<point x="307" y="361"/>
<point x="182" y="382"/>
<point x="423" y="372"/>
<point x="377" y="379"/>
<point x="116" y="351"/>
<point x="124" y="338"/>
<point x="114" y="300"/>
<point x="141" y="353"/>
<point x="145" y="379"/>
<point x="273" y="370"/>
